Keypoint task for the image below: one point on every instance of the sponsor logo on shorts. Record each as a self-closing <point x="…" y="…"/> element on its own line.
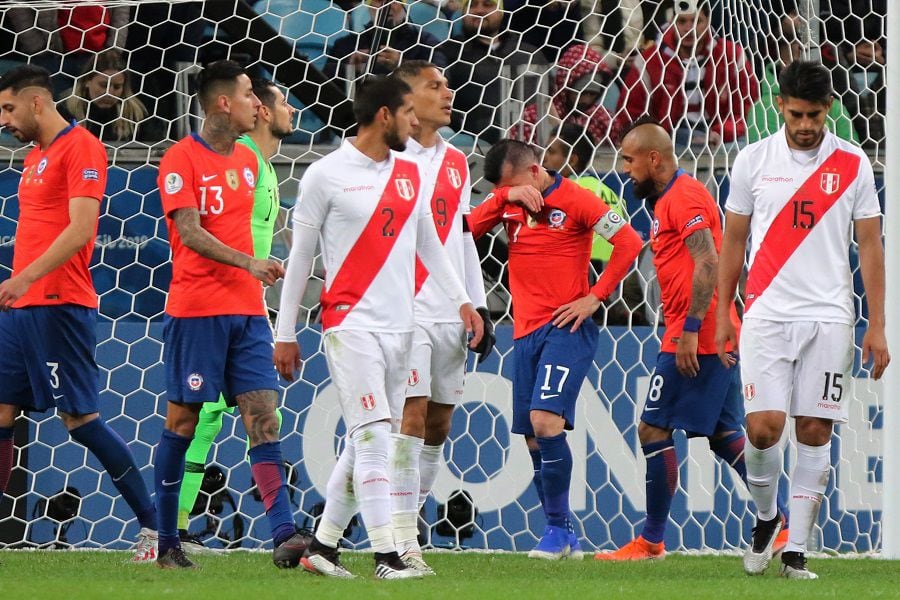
<point x="86" y="174"/>
<point x="195" y="381"/>
<point x="413" y="377"/>
<point x="749" y="392"/>
<point x="367" y="401"/>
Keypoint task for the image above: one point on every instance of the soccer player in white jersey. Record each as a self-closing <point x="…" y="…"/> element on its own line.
<point x="437" y="362"/>
<point x="796" y="194"/>
<point x="362" y="202"/>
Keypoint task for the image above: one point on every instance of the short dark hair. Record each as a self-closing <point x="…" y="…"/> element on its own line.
<point x="513" y="152"/>
<point x="23" y="76"/>
<point x="580" y="143"/>
<point x="410" y="69"/>
<point x="642" y="120"/>
<point x="263" y="89"/>
<point x="805" y="80"/>
<point x="215" y="78"/>
<point x="374" y="93"/>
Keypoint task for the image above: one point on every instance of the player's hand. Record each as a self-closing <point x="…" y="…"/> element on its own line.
<point x="473" y="324"/>
<point x="576" y="311"/>
<point x="267" y="271"/>
<point x="388" y="58"/>
<point x="726" y="334"/>
<point x="874" y="345"/>
<point x="686" y="354"/>
<point x="286" y="357"/>
<point x="11" y="290"/>
<point x="486" y="346"/>
<point x="526" y="196"/>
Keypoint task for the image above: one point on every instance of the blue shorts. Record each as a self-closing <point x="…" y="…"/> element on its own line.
<point x="549" y="366"/>
<point x="47" y="358"/>
<point x="700" y="406"/>
<point x="207" y="356"/>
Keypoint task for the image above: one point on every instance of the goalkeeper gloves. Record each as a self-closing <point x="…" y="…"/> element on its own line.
<point x="486" y="345"/>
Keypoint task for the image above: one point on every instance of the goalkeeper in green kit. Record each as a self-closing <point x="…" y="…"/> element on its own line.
<point x="274" y="122"/>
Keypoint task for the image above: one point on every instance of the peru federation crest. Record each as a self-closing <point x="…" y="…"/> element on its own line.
<point x="405" y="188"/>
<point x="454" y="177"/>
<point x="367" y="401"/>
<point x="830" y="182"/>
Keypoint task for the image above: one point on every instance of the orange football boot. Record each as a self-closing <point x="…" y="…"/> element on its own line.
<point x="636" y="549"/>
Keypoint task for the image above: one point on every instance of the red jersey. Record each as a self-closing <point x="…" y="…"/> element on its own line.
<point x="72" y="166"/>
<point x="684" y="207"/>
<point x="191" y="174"/>
<point x="548" y="254"/>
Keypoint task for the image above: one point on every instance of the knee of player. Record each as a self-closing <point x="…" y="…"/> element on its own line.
<point x="546" y="424"/>
<point x="649" y="434"/>
<point x="764" y="429"/>
<point x="74" y="421"/>
<point x="813" y="431"/>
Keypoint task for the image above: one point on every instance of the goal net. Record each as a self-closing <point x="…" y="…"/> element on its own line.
<point x="519" y="68"/>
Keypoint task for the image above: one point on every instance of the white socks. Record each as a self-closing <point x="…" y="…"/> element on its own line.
<point x="405" y="491"/>
<point x="340" y="501"/>
<point x="372" y="482"/>
<point x="429" y="465"/>
<point x="808" y="483"/>
<point x="763" y="471"/>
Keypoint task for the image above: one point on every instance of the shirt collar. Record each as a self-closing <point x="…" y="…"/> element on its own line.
<point x="557" y="181"/>
<point x="414" y="147"/>
<point x="356" y="158"/>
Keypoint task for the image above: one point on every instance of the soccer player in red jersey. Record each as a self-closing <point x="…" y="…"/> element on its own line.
<point x="217" y="336"/>
<point x="690" y="388"/>
<point x="550" y="222"/>
<point x="48" y="307"/>
<point x="797" y="195"/>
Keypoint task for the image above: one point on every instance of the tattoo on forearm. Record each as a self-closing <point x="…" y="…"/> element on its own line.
<point x="187" y="222"/>
<point x="258" y="413"/>
<point x="703" y="250"/>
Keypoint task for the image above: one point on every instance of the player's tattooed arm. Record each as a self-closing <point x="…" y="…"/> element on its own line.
<point x="195" y="237"/>
<point x="702" y="248"/>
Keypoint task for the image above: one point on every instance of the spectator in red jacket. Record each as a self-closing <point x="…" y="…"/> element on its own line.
<point x="697" y="85"/>
<point x="581" y="81"/>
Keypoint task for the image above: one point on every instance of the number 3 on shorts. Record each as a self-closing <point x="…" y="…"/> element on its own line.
<point x="54" y="376"/>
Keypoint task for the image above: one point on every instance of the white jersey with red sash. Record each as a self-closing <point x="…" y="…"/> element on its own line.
<point x="803" y="204"/>
<point x="446" y="186"/>
<point x="367" y="214"/>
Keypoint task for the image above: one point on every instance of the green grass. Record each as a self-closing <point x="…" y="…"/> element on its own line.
<point x="462" y="576"/>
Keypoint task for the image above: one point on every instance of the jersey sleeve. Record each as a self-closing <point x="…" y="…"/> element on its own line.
<point x="176" y="181"/>
<point x="591" y="212"/>
<point x="865" y="200"/>
<point x="312" y="200"/>
<point x="691" y="212"/>
<point x="740" y="194"/>
<point x="86" y="170"/>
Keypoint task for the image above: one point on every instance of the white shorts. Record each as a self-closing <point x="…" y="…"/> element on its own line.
<point x="801" y="368"/>
<point x="437" y="362"/>
<point x="369" y="371"/>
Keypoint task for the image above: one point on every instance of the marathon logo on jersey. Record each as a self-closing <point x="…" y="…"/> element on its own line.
<point x="454" y="177"/>
<point x="42" y="165"/>
<point x="695" y="221"/>
<point x="405" y="188"/>
<point x="556" y="219"/>
<point x="830" y="182"/>
<point x="368" y="401"/>
<point x="413" y="377"/>
<point x="231" y="178"/>
<point x="249" y="177"/>
<point x="749" y="392"/>
<point x="174" y="183"/>
<point x="86" y="174"/>
<point x="195" y="381"/>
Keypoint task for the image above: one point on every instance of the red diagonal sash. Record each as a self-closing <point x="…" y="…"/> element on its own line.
<point x="444" y="201"/>
<point x="368" y="255"/>
<point x="796" y="220"/>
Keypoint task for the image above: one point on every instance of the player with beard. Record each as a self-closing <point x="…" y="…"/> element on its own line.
<point x="274" y="122"/>
<point x="217" y="336"/>
<point x="363" y="201"/>
<point x="798" y="194"/>
<point x="689" y="389"/>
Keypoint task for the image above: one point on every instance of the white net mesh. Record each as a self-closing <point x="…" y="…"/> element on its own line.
<point x="521" y="72"/>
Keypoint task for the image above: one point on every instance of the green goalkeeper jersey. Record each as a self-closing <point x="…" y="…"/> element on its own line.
<point x="265" y="203"/>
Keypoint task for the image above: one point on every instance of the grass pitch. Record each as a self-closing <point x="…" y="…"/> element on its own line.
<point x="461" y="576"/>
